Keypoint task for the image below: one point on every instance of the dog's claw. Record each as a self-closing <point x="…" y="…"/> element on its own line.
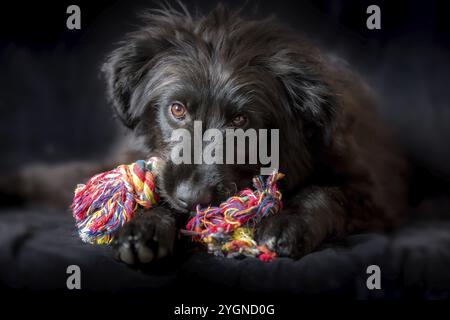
<point x="149" y="235"/>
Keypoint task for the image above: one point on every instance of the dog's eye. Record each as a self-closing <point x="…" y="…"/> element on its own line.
<point x="178" y="110"/>
<point x="239" y="121"/>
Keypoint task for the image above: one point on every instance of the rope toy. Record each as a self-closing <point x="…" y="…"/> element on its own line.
<point x="109" y="199"/>
<point x="229" y="228"/>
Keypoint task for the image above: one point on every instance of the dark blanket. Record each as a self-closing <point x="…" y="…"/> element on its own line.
<point x="36" y="247"/>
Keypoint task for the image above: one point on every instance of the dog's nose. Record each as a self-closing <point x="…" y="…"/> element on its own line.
<point x="189" y="196"/>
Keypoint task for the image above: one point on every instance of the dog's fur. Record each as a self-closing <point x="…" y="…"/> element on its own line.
<point x="343" y="174"/>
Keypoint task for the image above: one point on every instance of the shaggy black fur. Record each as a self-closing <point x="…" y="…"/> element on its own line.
<point x="342" y="173"/>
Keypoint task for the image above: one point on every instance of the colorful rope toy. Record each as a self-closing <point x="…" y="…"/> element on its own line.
<point x="108" y="201"/>
<point x="229" y="228"/>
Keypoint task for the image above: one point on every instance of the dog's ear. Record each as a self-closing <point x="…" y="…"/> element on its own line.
<point x="309" y="96"/>
<point x="126" y="66"/>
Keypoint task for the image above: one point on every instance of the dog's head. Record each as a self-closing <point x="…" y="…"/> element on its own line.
<point x="227" y="72"/>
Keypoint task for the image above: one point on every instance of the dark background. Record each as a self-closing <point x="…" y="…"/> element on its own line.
<point x="53" y="109"/>
<point x="52" y="102"/>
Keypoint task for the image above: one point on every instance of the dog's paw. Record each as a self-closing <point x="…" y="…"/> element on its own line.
<point x="286" y="234"/>
<point x="149" y="236"/>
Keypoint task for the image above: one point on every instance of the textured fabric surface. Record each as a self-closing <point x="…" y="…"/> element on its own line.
<point x="37" y="246"/>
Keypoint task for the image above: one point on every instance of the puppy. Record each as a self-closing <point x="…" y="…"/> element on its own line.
<point x="343" y="174"/>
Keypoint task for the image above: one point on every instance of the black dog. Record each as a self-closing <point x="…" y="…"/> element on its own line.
<point x="342" y="173"/>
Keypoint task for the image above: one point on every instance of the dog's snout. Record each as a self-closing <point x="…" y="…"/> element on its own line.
<point x="188" y="196"/>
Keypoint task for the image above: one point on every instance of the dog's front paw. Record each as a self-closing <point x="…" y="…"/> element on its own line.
<point x="286" y="234"/>
<point x="150" y="235"/>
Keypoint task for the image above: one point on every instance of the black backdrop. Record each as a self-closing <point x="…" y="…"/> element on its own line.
<point x="52" y="108"/>
<point x="52" y="104"/>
